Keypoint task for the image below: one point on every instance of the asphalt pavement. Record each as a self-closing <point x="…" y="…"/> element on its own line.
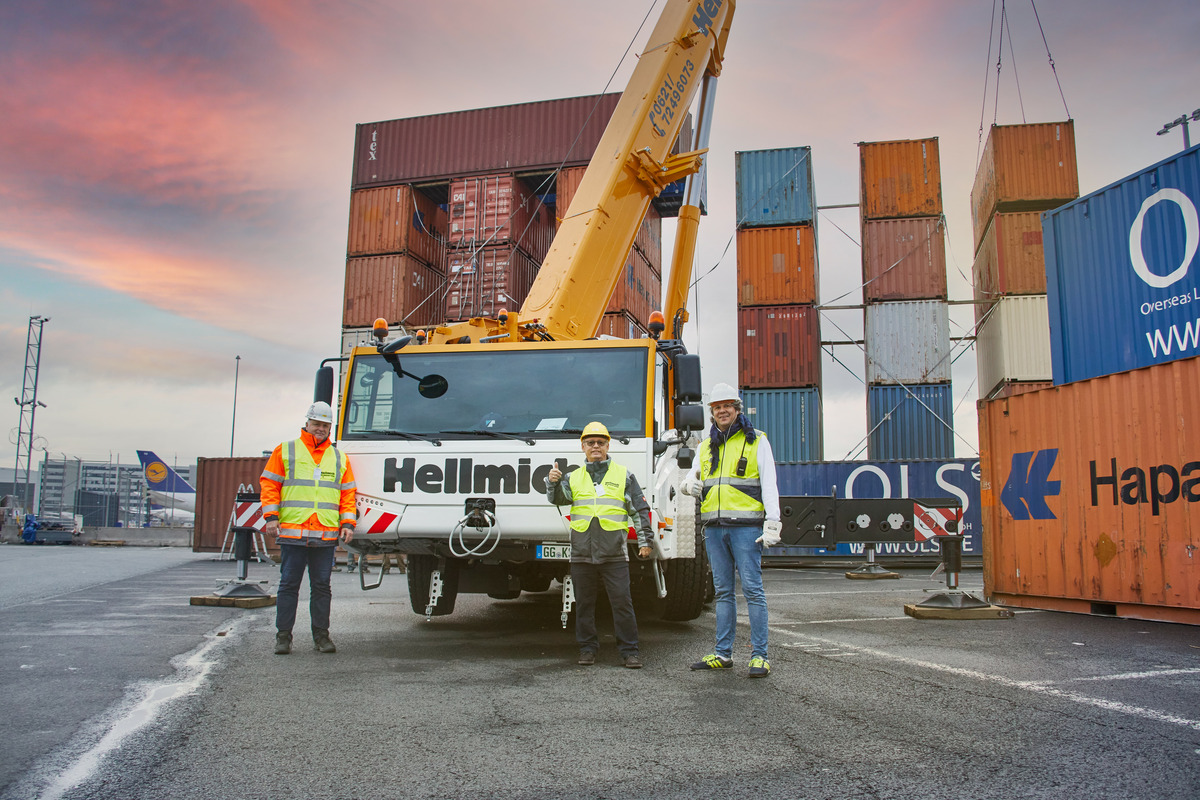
<point x="117" y="688"/>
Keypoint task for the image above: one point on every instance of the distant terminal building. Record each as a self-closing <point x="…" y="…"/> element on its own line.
<point x="104" y="494"/>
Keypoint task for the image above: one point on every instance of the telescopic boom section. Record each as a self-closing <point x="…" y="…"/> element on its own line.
<point x="631" y="166"/>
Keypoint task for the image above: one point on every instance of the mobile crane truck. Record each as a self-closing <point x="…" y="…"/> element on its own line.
<point x="452" y="435"/>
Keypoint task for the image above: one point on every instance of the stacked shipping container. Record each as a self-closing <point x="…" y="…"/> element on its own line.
<point x="1025" y="169"/>
<point x="779" y="339"/>
<point x="909" y="408"/>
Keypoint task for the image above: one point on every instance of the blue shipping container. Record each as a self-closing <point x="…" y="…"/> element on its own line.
<point x="791" y="419"/>
<point x="910" y="421"/>
<point x="1122" y="292"/>
<point x="957" y="478"/>
<point x="774" y="187"/>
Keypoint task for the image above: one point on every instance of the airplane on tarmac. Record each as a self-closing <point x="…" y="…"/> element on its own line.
<point x="167" y="487"/>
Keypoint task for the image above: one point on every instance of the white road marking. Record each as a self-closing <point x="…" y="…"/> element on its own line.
<point x="1132" y="676"/>
<point x="142" y="704"/>
<point x="1037" y="687"/>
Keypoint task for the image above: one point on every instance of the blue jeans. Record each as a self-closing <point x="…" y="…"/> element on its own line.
<point x="293" y="560"/>
<point x="730" y="547"/>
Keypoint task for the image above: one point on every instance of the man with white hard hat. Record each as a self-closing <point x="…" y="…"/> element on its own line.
<point x="308" y="502"/>
<point x="734" y="477"/>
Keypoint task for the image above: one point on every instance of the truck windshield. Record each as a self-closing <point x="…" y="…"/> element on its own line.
<point x="536" y="393"/>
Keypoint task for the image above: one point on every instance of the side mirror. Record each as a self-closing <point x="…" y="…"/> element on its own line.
<point x="687" y="378"/>
<point x="689" y="417"/>
<point x="323" y="388"/>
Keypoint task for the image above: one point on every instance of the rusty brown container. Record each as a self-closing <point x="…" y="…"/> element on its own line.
<point x="524" y="136"/>
<point x="639" y="291"/>
<point x="481" y="282"/>
<point x="1010" y="259"/>
<point x="776" y="266"/>
<point x="904" y="259"/>
<point x="498" y="209"/>
<point x="398" y="288"/>
<point x="566" y="185"/>
<point x="395" y="219"/>
<point x="622" y="325"/>
<point x="1024" y="168"/>
<point x="779" y="347"/>
<point x="218" y="481"/>
<point x="900" y="179"/>
<point x="649" y="239"/>
<point x="1088" y="494"/>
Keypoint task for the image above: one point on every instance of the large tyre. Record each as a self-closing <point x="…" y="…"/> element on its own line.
<point x="688" y="580"/>
<point x="420" y="569"/>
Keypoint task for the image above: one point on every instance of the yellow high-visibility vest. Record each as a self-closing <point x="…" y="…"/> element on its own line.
<point x="729" y="497"/>
<point x="588" y="503"/>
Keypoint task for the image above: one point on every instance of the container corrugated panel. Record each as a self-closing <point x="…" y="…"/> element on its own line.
<point x="481" y="282"/>
<point x="622" y="325"/>
<point x="566" y="184"/>
<point x="218" y="481"/>
<point x="791" y="419"/>
<point x="774" y="187"/>
<point x="499" y="209"/>
<point x="639" y="291"/>
<point x="398" y="288"/>
<point x="904" y="259"/>
<point x="779" y="347"/>
<point x="776" y="266"/>
<point x="957" y="478"/>
<point x="900" y="179"/>
<point x="1024" y="168"/>
<point x="649" y="239"/>
<point x="501" y="139"/>
<point x="1123" y="276"/>
<point x="1089" y="495"/>
<point x="1010" y="260"/>
<point x="1013" y="343"/>
<point x="905" y="422"/>
<point x="908" y="342"/>
<point x="394" y="219"/>
<point x="1014" y="388"/>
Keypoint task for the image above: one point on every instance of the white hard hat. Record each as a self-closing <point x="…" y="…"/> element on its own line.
<point x="723" y="393"/>
<point x="321" y="412"/>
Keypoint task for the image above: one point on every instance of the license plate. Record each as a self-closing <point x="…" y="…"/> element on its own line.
<point x="557" y="552"/>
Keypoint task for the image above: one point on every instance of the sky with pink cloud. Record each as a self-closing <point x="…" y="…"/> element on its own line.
<point x="174" y="176"/>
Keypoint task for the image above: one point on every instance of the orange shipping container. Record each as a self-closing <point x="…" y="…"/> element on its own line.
<point x="398" y="288"/>
<point x="481" y="282"/>
<point x="900" y="179"/>
<point x="218" y="481"/>
<point x="499" y="209"/>
<point x="1010" y="259"/>
<point x="1088" y="495"/>
<point x="1024" y="168"/>
<point x="904" y="259"/>
<point x="622" y="325"/>
<point x="395" y="219"/>
<point x="776" y="266"/>
<point x="779" y="347"/>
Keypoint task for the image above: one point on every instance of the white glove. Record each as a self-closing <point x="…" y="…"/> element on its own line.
<point x="692" y="486"/>
<point x="771" y="537"/>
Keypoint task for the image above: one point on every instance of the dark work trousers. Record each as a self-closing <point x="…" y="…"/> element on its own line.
<point x="293" y="560"/>
<point x="587" y="579"/>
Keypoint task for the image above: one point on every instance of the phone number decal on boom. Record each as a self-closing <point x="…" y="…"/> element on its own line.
<point x="669" y="96"/>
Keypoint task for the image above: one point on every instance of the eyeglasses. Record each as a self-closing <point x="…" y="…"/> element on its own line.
<point x="595" y="442"/>
<point x="723" y="406"/>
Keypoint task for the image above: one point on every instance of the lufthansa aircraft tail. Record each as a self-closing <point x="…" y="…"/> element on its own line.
<point x="166" y="486"/>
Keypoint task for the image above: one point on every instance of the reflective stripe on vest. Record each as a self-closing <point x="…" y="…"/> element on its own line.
<point x="608" y="507"/>
<point x="308" y="489"/>
<point x="729" y="497"/>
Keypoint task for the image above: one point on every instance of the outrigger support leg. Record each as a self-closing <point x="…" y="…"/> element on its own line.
<point x="435" y="589"/>
<point x="568" y="599"/>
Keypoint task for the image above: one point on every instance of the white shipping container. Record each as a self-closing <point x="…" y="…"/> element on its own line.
<point x="908" y="342"/>
<point x="1013" y="343"/>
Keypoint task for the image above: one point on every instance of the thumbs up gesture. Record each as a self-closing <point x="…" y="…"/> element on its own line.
<point x="555" y="472"/>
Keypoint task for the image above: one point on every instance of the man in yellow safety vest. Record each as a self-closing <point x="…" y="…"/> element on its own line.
<point x="604" y="498"/>
<point x="734" y="475"/>
<point x="308" y="500"/>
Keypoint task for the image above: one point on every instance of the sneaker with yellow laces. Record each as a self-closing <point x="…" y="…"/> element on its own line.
<point x="713" y="661"/>
<point x="759" y="667"/>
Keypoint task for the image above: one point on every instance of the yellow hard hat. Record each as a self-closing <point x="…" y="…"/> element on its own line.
<point x="594" y="429"/>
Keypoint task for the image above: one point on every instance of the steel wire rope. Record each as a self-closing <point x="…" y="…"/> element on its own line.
<point x="1050" y="58"/>
<point x="1016" y="77"/>
<point x="987" y="74"/>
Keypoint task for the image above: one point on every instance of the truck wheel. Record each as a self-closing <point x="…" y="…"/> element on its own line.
<point x="420" y="568"/>
<point x="688" y="582"/>
<point x="536" y="583"/>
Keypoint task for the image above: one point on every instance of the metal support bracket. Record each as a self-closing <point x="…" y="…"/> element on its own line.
<point x="435" y="593"/>
<point x="568" y="599"/>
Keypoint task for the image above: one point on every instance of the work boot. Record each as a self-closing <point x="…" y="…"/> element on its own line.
<point x="283" y="643"/>
<point x="322" y="642"/>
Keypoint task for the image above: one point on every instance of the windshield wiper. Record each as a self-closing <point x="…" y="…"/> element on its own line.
<point x="496" y="435"/>
<point x="421" y="437"/>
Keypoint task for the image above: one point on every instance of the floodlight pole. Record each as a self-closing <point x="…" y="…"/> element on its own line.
<point x="1182" y="120"/>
